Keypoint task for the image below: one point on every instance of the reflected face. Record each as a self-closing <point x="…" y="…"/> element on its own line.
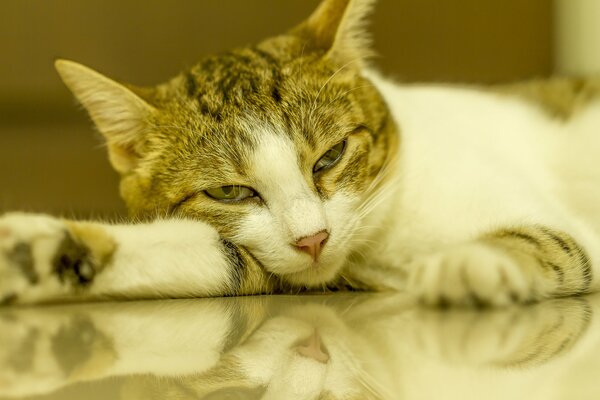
<point x="305" y="352"/>
<point x="311" y="356"/>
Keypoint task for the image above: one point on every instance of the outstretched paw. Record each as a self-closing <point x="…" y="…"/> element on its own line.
<point x="28" y="245"/>
<point x="475" y="274"/>
<point x="42" y="258"/>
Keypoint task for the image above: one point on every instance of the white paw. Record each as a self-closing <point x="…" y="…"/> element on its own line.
<point x="28" y="246"/>
<point x="470" y="274"/>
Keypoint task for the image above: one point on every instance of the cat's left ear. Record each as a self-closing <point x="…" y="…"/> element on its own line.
<point x="118" y="111"/>
<point x="338" y="29"/>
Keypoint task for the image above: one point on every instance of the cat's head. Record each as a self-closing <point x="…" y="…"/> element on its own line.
<point x="276" y="145"/>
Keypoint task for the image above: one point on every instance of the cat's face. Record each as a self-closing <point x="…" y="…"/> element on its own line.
<point x="311" y="356"/>
<point x="271" y="145"/>
<point x="299" y="140"/>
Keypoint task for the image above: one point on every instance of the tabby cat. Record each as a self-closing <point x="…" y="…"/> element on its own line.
<point x="293" y="165"/>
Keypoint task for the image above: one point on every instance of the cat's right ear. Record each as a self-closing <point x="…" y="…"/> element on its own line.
<point x="119" y="114"/>
<point x="337" y="28"/>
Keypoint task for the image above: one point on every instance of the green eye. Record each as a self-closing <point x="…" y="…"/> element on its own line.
<point x="230" y="193"/>
<point x="331" y="157"/>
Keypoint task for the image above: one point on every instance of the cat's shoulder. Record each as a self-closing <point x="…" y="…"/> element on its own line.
<point x="560" y="97"/>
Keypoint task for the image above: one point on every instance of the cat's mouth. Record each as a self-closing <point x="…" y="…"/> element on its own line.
<point x="315" y="273"/>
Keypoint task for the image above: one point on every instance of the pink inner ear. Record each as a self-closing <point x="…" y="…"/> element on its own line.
<point x="313" y="244"/>
<point x="124" y="158"/>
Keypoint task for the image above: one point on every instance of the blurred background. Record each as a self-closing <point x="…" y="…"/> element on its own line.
<point x="51" y="160"/>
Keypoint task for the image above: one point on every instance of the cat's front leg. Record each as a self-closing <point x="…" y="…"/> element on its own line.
<point x="48" y="259"/>
<point x="520" y="264"/>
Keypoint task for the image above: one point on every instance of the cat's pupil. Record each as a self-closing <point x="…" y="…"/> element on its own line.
<point x="227" y="190"/>
<point x="334" y="153"/>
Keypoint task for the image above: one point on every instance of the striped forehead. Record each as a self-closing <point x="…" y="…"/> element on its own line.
<point x="247" y="151"/>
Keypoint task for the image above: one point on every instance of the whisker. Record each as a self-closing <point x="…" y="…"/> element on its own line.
<point x="367" y="380"/>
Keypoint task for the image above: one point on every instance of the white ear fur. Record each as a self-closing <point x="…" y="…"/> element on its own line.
<point x="119" y="114"/>
<point x="339" y="28"/>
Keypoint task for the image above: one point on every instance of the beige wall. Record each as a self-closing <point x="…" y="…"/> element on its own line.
<point x="50" y="160"/>
<point x="577" y="36"/>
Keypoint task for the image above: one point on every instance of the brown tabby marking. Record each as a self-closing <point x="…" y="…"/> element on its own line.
<point x="21" y="256"/>
<point x="83" y="253"/>
<point x="555" y="254"/>
<point x="248" y="276"/>
<point x="560" y="98"/>
<point x="571" y="321"/>
<point x="82" y="350"/>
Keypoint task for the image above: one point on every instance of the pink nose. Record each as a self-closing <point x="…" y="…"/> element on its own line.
<point x="313" y="244"/>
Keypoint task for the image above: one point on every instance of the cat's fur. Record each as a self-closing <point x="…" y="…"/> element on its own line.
<point x="364" y="347"/>
<point x="459" y="195"/>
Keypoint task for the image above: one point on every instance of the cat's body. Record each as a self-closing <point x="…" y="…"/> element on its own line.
<point x="490" y="160"/>
<point x="291" y="165"/>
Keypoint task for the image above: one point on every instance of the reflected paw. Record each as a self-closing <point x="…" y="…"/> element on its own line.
<point x="43" y="350"/>
<point x="516" y="336"/>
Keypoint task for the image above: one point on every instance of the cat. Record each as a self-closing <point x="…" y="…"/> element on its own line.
<point x="292" y="165"/>
<point x="359" y="346"/>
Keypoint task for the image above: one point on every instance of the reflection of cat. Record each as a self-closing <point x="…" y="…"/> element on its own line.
<point x="322" y="347"/>
<point x="291" y="165"/>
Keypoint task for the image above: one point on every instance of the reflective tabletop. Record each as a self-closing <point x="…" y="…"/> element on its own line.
<point x="336" y="346"/>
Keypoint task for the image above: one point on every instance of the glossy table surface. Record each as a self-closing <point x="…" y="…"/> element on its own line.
<point x="338" y="346"/>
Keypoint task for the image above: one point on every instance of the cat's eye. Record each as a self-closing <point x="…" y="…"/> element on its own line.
<point x="331" y="157"/>
<point x="230" y="193"/>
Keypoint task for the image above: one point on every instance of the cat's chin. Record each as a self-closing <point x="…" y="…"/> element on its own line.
<point x="314" y="275"/>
